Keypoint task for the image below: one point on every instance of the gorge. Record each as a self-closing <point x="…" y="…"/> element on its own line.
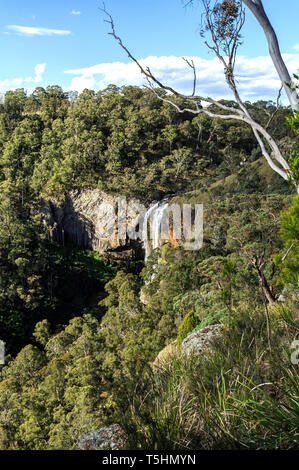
<point x="87" y="219"/>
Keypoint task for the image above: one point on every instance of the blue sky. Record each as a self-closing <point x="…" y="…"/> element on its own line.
<point x="66" y="42"/>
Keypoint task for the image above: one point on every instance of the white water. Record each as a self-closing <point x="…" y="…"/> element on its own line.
<point x="155" y="214"/>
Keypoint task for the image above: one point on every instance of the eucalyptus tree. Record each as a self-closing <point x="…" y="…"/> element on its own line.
<point x="258" y="10"/>
<point x="222" y="22"/>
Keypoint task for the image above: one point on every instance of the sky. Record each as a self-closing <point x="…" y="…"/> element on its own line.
<point x="67" y="43"/>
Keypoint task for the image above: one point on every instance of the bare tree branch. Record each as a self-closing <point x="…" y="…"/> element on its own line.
<point x="149" y="76"/>
<point x="257" y="9"/>
<point x="224" y="23"/>
<point x="276" y="108"/>
<point x="192" y="66"/>
<point x="287" y="252"/>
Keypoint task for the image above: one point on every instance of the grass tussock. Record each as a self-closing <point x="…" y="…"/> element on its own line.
<point x="240" y="394"/>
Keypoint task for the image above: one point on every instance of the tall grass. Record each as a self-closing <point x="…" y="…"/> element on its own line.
<point x="238" y="395"/>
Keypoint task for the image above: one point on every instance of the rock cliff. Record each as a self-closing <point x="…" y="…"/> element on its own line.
<point x="88" y="219"/>
<point x="92" y="219"/>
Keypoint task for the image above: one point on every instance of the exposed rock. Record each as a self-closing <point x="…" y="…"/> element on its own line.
<point x="289" y="293"/>
<point x="201" y="339"/>
<point x="144" y="298"/>
<point x="282" y="298"/>
<point x="164" y="356"/>
<point x="196" y="341"/>
<point x="106" y="438"/>
<point x="88" y="219"/>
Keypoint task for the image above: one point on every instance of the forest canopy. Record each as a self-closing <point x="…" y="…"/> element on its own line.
<point x="83" y="331"/>
<point x="124" y="141"/>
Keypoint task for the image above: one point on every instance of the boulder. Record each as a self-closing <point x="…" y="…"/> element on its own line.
<point x="201" y="339"/>
<point x="106" y="438"/>
<point x="197" y="341"/>
<point x="164" y="356"/>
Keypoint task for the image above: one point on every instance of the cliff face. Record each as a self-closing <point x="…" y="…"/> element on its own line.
<point x="91" y="219"/>
<point x="87" y="219"/>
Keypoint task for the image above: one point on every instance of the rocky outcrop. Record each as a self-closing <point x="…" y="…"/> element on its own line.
<point x="117" y="227"/>
<point x="88" y="219"/>
<point x="106" y="438"/>
<point x="197" y="341"/>
<point x="201" y="339"/>
<point x="167" y="354"/>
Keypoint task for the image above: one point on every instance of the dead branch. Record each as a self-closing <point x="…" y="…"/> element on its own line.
<point x="227" y="41"/>
<point x="276" y="108"/>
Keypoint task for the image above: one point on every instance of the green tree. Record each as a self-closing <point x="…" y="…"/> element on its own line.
<point x="190" y="321"/>
<point x="288" y="260"/>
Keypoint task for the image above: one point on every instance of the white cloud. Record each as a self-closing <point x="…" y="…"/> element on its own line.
<point x="75" y="12"/>
<point x="257" y="78"/>
<point x="296" y="47"/>
<point x="32" y="31"/>
<point x="39" y="71"/>
<point x="80" y="83"/>
<point x="12" y="83"/>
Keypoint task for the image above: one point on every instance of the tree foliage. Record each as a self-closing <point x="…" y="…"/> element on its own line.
<point x="82" y="331"/>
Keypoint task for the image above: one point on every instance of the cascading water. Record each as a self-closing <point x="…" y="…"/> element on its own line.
<point x="155" y="214"/>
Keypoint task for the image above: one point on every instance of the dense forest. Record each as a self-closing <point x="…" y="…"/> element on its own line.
<point x="82" y="331"/>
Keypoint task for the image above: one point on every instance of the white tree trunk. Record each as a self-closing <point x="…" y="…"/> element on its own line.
<point x="241" y="114"/>
<point x="256" y="6"/>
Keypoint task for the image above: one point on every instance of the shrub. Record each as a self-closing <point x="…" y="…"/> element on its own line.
<point x="190" y="322"/>
<point x="238" y="395"/>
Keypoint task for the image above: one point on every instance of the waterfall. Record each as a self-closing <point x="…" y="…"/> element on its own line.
<point x="155" y="214"/>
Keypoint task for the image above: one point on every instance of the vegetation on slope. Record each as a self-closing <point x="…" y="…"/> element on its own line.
<point x="81" y="332"/>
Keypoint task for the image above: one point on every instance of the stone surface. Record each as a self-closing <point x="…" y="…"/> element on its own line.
<point x="197" y="341"/>
<point x="88" y="219"/>
<point x="201" y="339"/>
<point x="106" y="438"/>
<point x="164" y="356"/>
<point x="144" y="298"/>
